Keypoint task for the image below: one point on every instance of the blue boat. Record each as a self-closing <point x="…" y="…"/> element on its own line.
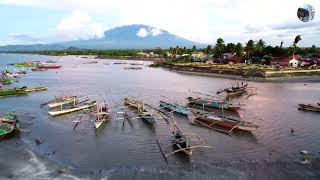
<point x="175" y="107"/>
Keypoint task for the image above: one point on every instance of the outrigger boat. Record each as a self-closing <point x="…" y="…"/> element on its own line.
<point x="48" y="66"/>
<point x="211" y="103"/>
<point x="90" y="62"/>
<point x="73" y="108"/>
<point x="5" y="82"/>
<point x="60" y="101"/>
<point x="137" y="63"/>
<point x="309" y="107"/>
<point x="134" y="68"/>
<point x="16" y="74"/>
<point x="143" y="111"/>
<point x="101" y="115"/>
<point x="175" y="107"/>
<point x="120" y="62"/>
<point x="13" y="92"/>
<point x="36" y="89"/>
<point x="25" y="64"/>
<point x="234" y="91"/>
<point x="183" y="142"/>
<point x="51" y="61"/>
<point x="231" y="123"/>
<point x="8" y="124"/>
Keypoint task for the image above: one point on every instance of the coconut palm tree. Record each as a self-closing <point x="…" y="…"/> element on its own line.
<point x="219" y="47"/>
<point x="260" y="46"/>
<point x="249" y="47"/>
<point x="295" y="42"/>
<point x="207" y="50"/>
<point x="281" y="44"/>
<point x="194" y="48"/>
<point x="239" y="50"/>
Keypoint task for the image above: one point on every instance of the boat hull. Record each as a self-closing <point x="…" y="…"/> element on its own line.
<point x="62" y="112"/>
<point x="174" y="107"/>
<point x="212" y="104"/>
<point x="244" y="126"/>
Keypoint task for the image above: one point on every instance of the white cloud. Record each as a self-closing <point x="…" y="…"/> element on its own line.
<point x="198" y="20"/>
<point x="142" y="32"/>
<point x="79" y="26"/>
<point x="156" y="31"/>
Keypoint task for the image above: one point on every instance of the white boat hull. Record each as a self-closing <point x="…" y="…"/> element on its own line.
<point x="53" y="105"/>
<point x="56" y="113"/>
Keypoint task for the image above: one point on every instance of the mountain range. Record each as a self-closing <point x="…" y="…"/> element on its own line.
<point x="135" y="36"/>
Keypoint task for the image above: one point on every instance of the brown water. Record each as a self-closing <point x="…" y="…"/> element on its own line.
<point x="130" y="151"/>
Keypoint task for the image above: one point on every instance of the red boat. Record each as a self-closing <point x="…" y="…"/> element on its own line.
<point x="49" y="66"/>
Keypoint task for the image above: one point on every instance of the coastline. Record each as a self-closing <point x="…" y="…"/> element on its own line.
<point x="258" y="76"/>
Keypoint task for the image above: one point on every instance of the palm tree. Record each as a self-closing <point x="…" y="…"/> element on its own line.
<point x="249" y="47"/>
<point x="281" y="44"/>
<point x="207" y="50"/>
<point x="231" y="48"/>
<point x="219" y="46"/>
<point x="194" y="48"/>
<point x="260" y="46"/>
<point x="295" y="42"/>
<point x="239" y="50"/>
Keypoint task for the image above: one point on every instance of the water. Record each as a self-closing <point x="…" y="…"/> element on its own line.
<point x="127" y="151"/>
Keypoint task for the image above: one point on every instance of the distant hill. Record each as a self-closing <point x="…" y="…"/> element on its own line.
<point x="124" y="37"/>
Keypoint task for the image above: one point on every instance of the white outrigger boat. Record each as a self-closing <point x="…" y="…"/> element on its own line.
<point x="63" y="101"/>
<point x="73" y="109"/>
<point x="101" y="115"/>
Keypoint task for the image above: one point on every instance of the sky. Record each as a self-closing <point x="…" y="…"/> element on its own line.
<point x="50" y="21"/>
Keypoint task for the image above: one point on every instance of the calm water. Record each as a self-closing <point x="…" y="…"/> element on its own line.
<point x="131" y="150"/>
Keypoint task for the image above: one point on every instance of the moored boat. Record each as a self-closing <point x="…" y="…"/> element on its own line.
<point x="134" y="68"/>
<point x="60" y="101"/>
<point x="234" y="91"/>
<point x="210" y="120"/>
<point x="143" y="111"/>
<point x="36" y="89"/>
<point x="73" y="109"/>
<point x="13" y="92"/>
<point x="101" y="115"/>
<point x="309" y="107"/>
<point x="48" y="66"/>
<point x="8" y="124"/>
<point x="211" y="103"/>
<point x="5" y="82"/>
<point x="175" y="107"/>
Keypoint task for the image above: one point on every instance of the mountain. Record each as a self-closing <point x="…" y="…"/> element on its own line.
<point x="135" y="36"/>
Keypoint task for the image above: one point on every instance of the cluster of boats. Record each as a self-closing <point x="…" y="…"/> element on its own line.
<point x="37" y="64"/>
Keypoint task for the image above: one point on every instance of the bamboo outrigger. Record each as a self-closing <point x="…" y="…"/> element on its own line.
<point x="183" y="142"/>
<point x="73" y="108"/>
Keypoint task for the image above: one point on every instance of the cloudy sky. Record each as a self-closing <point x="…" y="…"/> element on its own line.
<point x="47" y="21"/>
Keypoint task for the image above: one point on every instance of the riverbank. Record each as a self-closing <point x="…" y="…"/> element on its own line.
<point x="241" y="71"/>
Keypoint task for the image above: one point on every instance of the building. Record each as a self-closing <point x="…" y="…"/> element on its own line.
<point x="233" y="60"/>
<point x="228" y="55"/>
<point x="294" y="63"/>
<point x="284" y="62"/>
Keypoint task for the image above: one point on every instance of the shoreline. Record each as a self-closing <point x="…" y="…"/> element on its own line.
<point x="249" y="73"/>
<point x="315" y="78"/>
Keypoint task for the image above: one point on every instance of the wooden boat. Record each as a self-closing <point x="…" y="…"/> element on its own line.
<point x="210" y="120"/>
<point x="183" y="142"/>
<point x="137" y="64"/>
<point x="17" y="74"/>
<point x="6" y="82"/>
<point x="134" y="68"/>
<point x="234" y="91"/>
<point x="36" y="89"/>
<point x="212" y="103"/>
<point x="25" y="64"/>
<point x="60" y="101"/>
<point x="90" y="62"/>
<point x="48" y="66"/>
<point x="51" y="61"/>
<point x="175" y="107"/>
<point x="120" y="63"/>
<point x="73" y="109"/>
<point x="38" y="69"/>
<point x="8" y="124"/>
<point x="309" y="107"/>
<point x="101" y="115"/>
<point x="13" y="92"/>
<point x="143" y="111"/>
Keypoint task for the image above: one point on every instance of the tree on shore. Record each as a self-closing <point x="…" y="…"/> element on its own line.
<point x="230" y="48"/>
<point x="249" y="48"/>
<point x="295" y="42"/>
<point x="219" y="47"/>
<point x="239" y="50"/>
<point x="207" y="50"/>
<point x="194" y="48"/>
<point x="281" y="44"/>
<point x="260" y="46"/>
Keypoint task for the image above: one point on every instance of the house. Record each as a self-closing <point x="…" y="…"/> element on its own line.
<point x="198" y="55"/>
<point x="228" y="55"/>
<point x="293" y="63"/>
<point x="233" y="60"/>
<point x="280" y="62"/>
